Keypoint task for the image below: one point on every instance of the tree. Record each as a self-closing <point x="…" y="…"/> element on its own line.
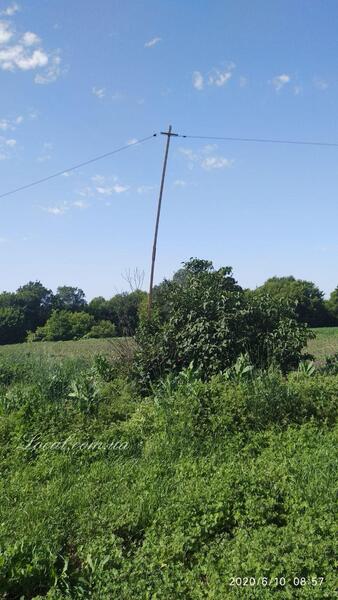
<point x="332" y="306"/>
<point x="70" y="298"/>
<point x="310" y="305"/>
<point x="125" y="311"/>
<point x="101" y="309"/>
<point x="210" y="322"/>
<point x="12" y="325"/>
<point x="36" y="302"/>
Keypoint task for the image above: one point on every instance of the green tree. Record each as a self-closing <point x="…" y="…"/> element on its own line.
<point x="332" y="306"/>
<point x="100" y="308"/>
<point x="70" y="298"/>
<point x="36" y="302"/>
<point x="310" y="305"/>
<point x="125" y="311"/>
<point x="12" y="325"/>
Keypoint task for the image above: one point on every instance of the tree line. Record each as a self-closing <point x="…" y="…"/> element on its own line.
<point x="35" y="313"/>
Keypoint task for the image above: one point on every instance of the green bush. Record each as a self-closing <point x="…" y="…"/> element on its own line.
<point x="63" y="325"/>
<point x="206" y="319"/>
<point x="102" y="329"/>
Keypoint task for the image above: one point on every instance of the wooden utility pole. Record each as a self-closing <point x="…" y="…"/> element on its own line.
<point x="169" y="134"/>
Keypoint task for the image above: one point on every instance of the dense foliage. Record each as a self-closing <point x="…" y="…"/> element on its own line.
<point x="204" y="318"/>
<point x="332" y="305"/>
<point x="36" y="312"/>
<point x="311" y="307"/>
<point x="32" y="304"/>
<point x="174" y="496"/>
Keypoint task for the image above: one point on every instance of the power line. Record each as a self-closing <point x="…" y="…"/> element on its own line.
<point x="82" y="164"/>
<point x="260" y="140"/>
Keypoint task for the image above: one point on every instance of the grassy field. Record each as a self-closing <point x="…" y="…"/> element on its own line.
<point x="81" y="349"/>
<point x="325" y="343"/>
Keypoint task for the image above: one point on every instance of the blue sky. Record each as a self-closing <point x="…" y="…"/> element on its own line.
<point x="78" y="79"/>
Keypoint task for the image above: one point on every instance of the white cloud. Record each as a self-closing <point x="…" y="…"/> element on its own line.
<point x="99" y="179"/>
<point x="109" y="190"/>
<point x="30" y="39"/>
<point x="320" y="84"/>
<point x="180" y="183"/>
<point x="297" y="89"/>
<point x="99" y="92"/>
<point x="56" y="210"/>
<point x="152" y="42"/>
<point x="189" y="154"/>
<point x="10" y="124"/>
<point x="17" y="53"/>
<point x="280" y="81"/>
<point x="215" y="77"/>
<point x="5" y="32"/>
<point x="46" y="152"/>
<point x="144" y="189"/>
<point x="80" y="204"/>
<point x="10" y="10"/>
<point x="216" y="162"/>
<point x="206" y="158"/>
<point x="220" y="78"/>
<point x="119" y="189"/>
<point x="86" y="192"/>
<point x="198" y="80"/>
<point x="6" y="145"/>
<point x="132" y="141"/>
<point x="52" y="72"/>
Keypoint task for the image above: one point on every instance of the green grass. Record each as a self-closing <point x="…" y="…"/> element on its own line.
<point x="325" y="343"/>
<point x="81" y="349"/>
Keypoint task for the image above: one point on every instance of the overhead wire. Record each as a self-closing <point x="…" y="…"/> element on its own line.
<point x="259" y="140"/>
<point x="186" y="136"/>
<point x="77" y="166"/>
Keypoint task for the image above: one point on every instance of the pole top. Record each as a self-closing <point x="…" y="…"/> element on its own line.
<point x="169" y="132"/>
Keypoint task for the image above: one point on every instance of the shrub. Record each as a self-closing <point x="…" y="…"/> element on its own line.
<point x="64" y="325"/>
<point x="206" y="319"/>
<point x="102" y="329"/>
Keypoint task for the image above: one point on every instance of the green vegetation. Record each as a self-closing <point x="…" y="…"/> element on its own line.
<point x="324" y="344"/>
<point x="107" y="495"/>
<point x="311" y="308"/>
<point x="206" y="319"/>
<point x="176" y="465"/>
<point x="34" y="313"/>
<point x="83" y="350"/>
